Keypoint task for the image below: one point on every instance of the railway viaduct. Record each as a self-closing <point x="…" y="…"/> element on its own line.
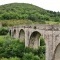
<point x="31" y="36"/>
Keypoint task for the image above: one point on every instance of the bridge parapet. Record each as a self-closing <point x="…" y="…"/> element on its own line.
<point x="40" y="26"/>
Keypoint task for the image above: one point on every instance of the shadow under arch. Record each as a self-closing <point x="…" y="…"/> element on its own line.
<point x="34" y="41"/>
<point x="56" y="55"/>
<point x="14" y="33"/>
<point x="22" y="35"/>
<point x="10" y="32"/>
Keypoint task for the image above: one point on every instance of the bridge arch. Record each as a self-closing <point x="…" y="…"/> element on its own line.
<point x="34" y="41"/>
<point x="56" y="55"/>
<point x="22" y="35"/>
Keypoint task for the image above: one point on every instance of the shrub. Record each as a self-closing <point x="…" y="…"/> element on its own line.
<point x="28" y="56"/>
<point x="11" y="48"/>
<point x="36" y="57"/>
<point x="3" y="31"/>
<point x="42" y="42"/>
<point x="28" y="50"/>
<point x="14" y="58"/>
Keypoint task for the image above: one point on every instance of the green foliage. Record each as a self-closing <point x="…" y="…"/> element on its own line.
<point x="25" y="11"/>
<point x="4" y="59"/>
<point x="57" y="19"/>
<point x="42" y="42"/>
<point x="30" y="56"/>
<point x="11" y="58"/>
<point x="3" y="31"/>
<point x="10" y="48"/>
<point x="28" y="50"/>
<point x="14" y="58"/>
<point x="36" y="58"/>
<point x="42" y="49"/>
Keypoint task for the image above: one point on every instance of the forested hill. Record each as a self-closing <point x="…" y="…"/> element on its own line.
<point x="27" y="11"/>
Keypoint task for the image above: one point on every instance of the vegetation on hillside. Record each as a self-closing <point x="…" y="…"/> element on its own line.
<point x="25" y="11"/>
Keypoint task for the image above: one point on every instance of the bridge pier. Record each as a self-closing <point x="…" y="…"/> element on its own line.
<point x="49" y="45"/>
<point x="26" y="37"/>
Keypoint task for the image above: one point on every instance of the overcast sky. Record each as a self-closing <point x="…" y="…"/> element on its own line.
<point x="53" y="5"/>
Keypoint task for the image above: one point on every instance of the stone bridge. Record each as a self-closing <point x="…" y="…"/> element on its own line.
<point x="31" y="36"/>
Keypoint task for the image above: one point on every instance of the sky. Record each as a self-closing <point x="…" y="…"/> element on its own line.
<point x="53" y="5"/>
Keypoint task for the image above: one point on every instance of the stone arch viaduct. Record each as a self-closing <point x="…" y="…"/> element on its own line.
<point x="31" y="34"/>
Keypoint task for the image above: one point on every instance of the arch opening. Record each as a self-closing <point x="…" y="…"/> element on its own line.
<point x="10" y="32"/>
<point x="34" y="41"/>
<point x="22" y="35"/>
<point x="14" y="33"/>
<point x="57" y="53"/>
<point x="38" y="42"/>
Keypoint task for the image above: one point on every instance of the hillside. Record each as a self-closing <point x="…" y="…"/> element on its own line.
<point x="23" y="11"/>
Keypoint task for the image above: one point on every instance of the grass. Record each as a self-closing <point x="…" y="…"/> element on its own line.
<point x="24" y="22"/>
<point x="15" y="22"/>
<point x="51" y="22"/>
<point x="7" y="37"/>
<point x="2" y="38"/>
